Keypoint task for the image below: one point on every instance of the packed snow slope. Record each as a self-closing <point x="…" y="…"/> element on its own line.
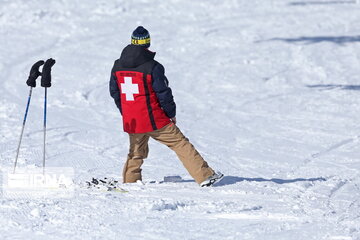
<point x="267" y="90"/>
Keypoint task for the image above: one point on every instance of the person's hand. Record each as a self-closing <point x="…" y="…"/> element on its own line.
<point x="173" y="120"/>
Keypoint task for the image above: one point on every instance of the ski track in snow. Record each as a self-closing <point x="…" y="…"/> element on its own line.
<point x="266" y="90"/>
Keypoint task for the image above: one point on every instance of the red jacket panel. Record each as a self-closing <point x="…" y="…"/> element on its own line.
<point x="141" y="109"/>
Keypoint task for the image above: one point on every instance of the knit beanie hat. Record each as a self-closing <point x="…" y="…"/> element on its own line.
<point x="140" y="37"/>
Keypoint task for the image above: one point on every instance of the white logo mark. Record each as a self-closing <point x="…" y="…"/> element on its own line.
<point x="129" y="88"/>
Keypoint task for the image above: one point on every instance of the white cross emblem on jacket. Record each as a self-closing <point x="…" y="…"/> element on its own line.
<point x="129" y="89"/>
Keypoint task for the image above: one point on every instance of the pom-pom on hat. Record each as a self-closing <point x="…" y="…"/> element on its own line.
<point x="140" y="37"/>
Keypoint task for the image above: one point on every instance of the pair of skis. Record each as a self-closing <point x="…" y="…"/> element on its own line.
<point x="31" y="82"/>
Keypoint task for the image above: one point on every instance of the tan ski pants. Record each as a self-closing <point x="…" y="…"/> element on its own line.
<point x="171" y="136"/>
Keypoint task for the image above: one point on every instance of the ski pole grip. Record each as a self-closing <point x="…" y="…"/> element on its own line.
<point x="46" y="73"/>
<point x="34" y="73"/>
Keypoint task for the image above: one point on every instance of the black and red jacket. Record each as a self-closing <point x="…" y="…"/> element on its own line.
<point x="140" y="90"/>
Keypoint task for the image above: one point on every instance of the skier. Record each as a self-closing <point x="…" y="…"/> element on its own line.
<point x="142" y="94"/>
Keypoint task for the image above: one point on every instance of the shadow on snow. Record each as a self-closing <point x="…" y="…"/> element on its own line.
<point x="332" y="86"/>
<point x="321" y="3"/>
<point x="228" y="180"/>
<point x="341" y="40"/>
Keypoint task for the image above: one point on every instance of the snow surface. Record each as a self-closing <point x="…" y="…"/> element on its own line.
<point x="267" y="90"/>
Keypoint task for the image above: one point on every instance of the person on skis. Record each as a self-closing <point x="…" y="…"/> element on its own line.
<point x="141" y="92"/>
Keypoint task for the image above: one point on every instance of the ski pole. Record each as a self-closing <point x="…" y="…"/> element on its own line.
<point x="46" y="83"/>
<point x="31" y="82"/>
<point x="23" y="127"/>
<point x="44" y="150"/>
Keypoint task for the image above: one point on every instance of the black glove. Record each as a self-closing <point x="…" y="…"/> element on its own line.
<point x="34" y="74"/>
<point x="46" y="73"/>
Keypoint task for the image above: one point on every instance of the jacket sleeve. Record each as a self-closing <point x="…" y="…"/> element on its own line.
<point x="115" y="91"/>
<point x="161" y="87"/>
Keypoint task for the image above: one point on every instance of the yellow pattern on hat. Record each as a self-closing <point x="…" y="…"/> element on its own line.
<point x="140" y="41"/>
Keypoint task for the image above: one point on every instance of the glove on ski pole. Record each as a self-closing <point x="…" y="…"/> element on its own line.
<point x="34" y="74"/>
<point x="46" y="73"/>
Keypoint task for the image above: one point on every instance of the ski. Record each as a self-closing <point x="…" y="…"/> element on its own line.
<point x="105" y="184"/>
